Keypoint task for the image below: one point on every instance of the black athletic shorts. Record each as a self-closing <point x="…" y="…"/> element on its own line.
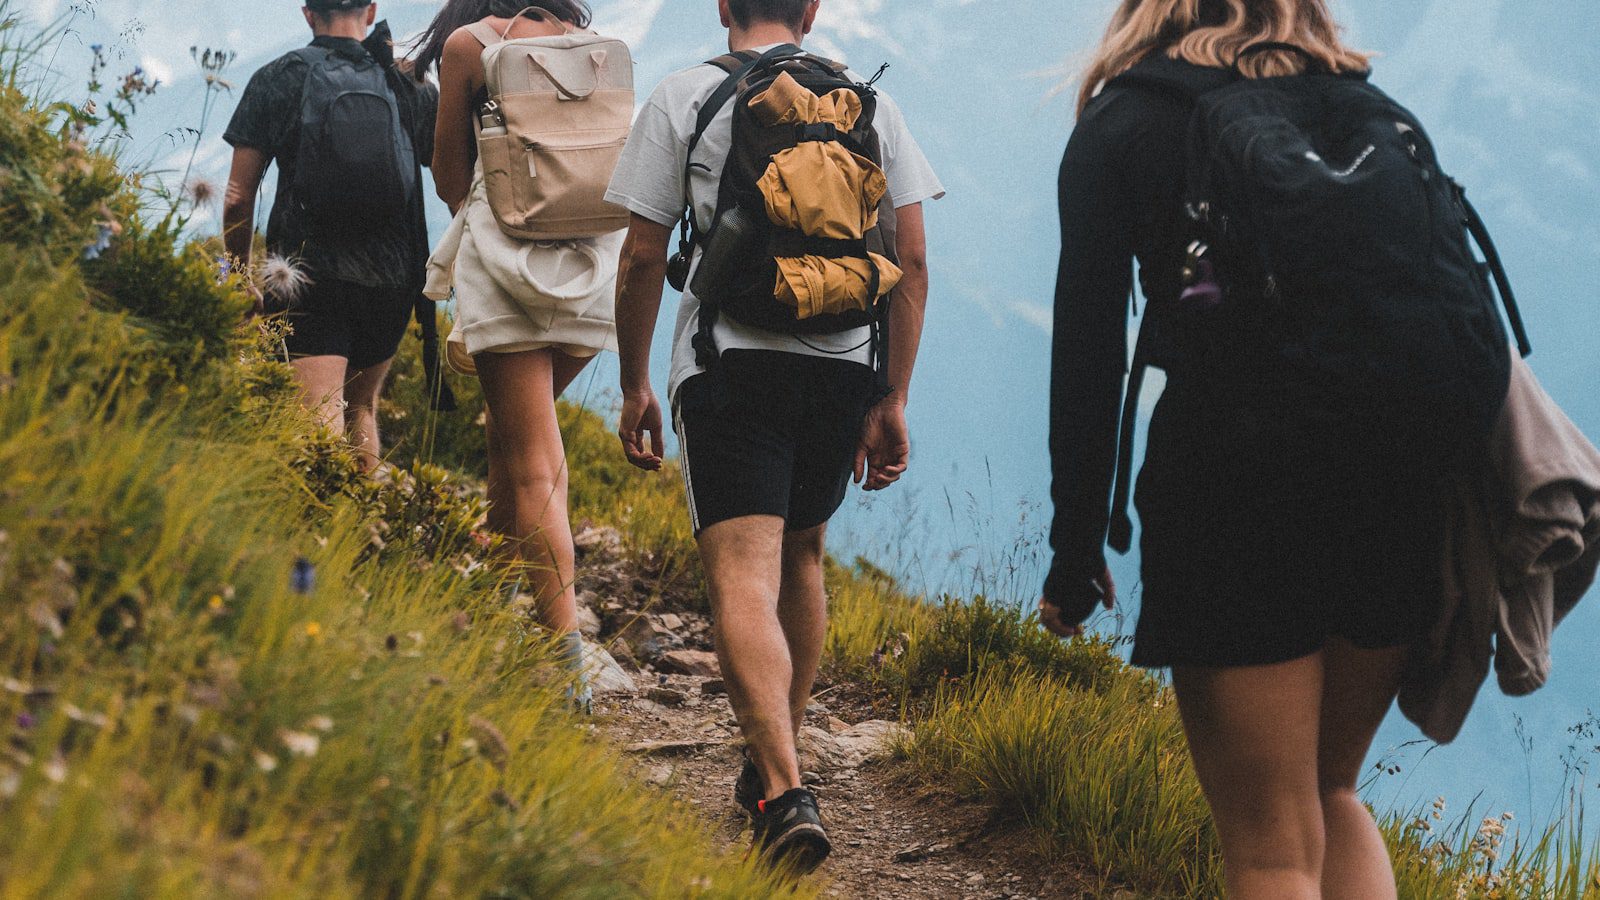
<point x="771" y="434"/>
<point x="362" y="324"/>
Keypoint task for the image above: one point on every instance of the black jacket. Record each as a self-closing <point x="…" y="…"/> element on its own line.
<point x="1120" y="194"/>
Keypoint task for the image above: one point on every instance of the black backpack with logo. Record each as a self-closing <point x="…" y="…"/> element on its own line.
<point x="741" y="247"/>
<point x="1326" y="239"/>
<point x="355" y="164"/>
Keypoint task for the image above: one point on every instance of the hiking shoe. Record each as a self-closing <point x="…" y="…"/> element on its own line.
<point x="581" y="699"/>
<point x="748" y="790"/>
<point x="789" y="833"/>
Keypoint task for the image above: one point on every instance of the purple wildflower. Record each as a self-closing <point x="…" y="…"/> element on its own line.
<point x="303" y="577"/>
<point x="101" y="244"/>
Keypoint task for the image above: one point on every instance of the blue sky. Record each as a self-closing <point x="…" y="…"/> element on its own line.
<point x="1510" y="91"/>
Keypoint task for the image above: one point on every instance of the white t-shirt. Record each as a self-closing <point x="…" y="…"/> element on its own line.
<point x="649" y="182"/>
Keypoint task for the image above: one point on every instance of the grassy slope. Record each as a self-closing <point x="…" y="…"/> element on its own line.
<point x="228" y="667"/>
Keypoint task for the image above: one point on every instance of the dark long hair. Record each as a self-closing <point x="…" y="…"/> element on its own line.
<point x="429" y="48"/>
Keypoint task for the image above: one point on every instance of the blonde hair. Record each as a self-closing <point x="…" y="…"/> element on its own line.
<point x="1215" y="32"/>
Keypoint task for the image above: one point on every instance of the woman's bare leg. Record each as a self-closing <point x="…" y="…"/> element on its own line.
<point x="566" y="370"/>
<point x="1358" y="689"/>
<point x="520" y="390"/>
<point x="1253" y="733"/>
<point x="321" y="380"/>
<point x="501" y="518"/>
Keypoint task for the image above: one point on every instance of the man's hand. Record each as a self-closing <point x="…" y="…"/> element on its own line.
<point x="1102" y="589"/>
<point x="641" y="416"/>
<point x="884" y="451"/>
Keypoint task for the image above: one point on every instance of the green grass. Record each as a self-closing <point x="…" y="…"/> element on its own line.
<point x="228" y="665"/>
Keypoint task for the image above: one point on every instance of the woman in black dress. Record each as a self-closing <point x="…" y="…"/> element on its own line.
<point x="1289" y="553"/>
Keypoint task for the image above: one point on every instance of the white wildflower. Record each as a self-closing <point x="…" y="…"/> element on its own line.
<point x="300" y="743"/>
<point x="284" y="279"/>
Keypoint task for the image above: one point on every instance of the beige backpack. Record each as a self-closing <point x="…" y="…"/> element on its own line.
<point x="560" y="110"/>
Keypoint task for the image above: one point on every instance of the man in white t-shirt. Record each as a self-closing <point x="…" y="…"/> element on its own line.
<point x="772" y="434"/>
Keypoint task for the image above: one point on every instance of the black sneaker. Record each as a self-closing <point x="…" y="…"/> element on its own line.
<point x="789" y="833"/>
<point x="748" y="790"/>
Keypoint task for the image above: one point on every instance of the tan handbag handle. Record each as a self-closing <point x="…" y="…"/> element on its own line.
<point x="543" y="15"/>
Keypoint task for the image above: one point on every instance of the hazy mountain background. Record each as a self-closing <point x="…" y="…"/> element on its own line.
<point x="1511" y="92"/>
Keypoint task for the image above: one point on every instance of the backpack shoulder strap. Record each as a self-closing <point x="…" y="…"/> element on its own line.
<point x="485" y="34"/>
<point x="731" y="62"/>
<point x="1173" y="78"/>
<point x="312" y="55"/>
<point x="737" y="65"/>
<point x="1497" y="269"/>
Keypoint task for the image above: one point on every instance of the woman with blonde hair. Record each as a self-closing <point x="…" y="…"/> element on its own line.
<point x="1291" y="534"/>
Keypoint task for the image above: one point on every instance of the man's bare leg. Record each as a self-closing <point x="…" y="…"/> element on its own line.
<point x="803" y="612"/>
<point x="744" y="563"/>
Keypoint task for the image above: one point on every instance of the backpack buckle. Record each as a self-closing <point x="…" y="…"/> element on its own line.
<point x="705" y="350"/>
<point x="820" y="132"/>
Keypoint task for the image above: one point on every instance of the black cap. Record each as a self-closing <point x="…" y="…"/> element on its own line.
<point x="326" y="6"/>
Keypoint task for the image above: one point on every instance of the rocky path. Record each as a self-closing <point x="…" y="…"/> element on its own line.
<point x="661" y="699"/>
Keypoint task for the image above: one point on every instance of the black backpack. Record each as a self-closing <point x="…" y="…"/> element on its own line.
<point x="742" y="234"/>
<point x="1325" y="237"/>
<point x="355" y="164"/>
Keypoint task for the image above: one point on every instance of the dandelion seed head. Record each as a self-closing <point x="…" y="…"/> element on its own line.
<point x="285" y="278"/>
<point x="201" y="191"/>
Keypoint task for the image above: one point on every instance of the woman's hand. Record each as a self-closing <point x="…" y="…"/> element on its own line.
<point x="1101" y="590"/>
<point x="641" y="416"/>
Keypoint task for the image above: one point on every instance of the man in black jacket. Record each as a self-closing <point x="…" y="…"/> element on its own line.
<point x="347" y="294"/>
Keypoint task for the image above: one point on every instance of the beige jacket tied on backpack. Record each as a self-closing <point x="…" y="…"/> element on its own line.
<point x="1523" y="547"/>
<point x="822" y="190"/>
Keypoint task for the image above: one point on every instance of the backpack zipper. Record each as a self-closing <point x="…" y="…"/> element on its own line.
<point x="530" y="148"/>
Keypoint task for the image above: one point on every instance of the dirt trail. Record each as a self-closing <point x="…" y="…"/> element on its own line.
<point x="664" y="704"/>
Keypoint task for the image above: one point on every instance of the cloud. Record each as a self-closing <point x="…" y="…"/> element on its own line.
<point x="157" y="68"/>
<point x="630" y="20"/>
<point x="1038" y="315"/>
<point x="853" y="20"/>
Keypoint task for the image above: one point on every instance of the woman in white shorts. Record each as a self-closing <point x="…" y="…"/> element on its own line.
<point x="530" y="315"/>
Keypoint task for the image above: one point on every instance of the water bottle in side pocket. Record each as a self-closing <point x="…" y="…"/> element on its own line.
<point x="739" y="234"/>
